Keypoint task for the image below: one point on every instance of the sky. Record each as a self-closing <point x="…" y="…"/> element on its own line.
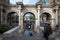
<point x="24" y="1"/>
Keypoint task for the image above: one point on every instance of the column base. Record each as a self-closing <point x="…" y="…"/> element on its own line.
<point x="37" y="30"/>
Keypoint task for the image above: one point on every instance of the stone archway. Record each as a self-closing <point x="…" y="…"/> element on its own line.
<point x="46" y="22"/>
<point x="28" y="20"/>
<point x="12" y="19"/>
<point x="45" y="17"/>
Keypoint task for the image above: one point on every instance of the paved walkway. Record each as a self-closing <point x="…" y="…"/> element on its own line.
<point x="55" y="36"/>
<point x="17" y="37"/>
<point x="25" y="36"/>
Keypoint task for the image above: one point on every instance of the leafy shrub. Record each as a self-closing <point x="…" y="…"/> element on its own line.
<point x="4" y="28"/>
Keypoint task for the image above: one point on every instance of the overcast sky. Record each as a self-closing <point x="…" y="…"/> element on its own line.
<point x="24" y="1"/>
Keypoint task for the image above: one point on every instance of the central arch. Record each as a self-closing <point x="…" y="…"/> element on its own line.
<point x="28" y="20"/>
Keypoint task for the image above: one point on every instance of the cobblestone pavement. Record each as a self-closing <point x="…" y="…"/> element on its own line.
<point x="17" y="37"/>
<point x="0" y="38"/>
<point x="25" y="37"/>
<point x="54" y="36"/>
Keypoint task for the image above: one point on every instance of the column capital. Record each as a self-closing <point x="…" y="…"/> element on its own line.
<point x="19" y="5"/>
<point x="1" y="6"/>
<point x="19" y="8"/>
<point x="52" y="18"/>
<point x="57" y="14"/>
<point x="57" y="7"/>
<point x="38" y="8"/>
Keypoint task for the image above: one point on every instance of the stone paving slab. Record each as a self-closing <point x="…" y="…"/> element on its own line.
<point x="24" y="38"/>
<point x="17" y="37"/>
<point x="54" y="36"/>
<point x="0" y="38"/>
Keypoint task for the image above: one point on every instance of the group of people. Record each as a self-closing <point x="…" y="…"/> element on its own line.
<point x="28" y="25"/>
<point x="47" y="29"/>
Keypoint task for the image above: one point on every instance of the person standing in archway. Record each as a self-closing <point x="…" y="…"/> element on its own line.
<point x="46" y="31"/>
<point x="29" y="25"/>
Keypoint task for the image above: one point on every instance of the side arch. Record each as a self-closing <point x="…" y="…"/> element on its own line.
<point x="12" y="19"/>
<point x="51" y="18"/>
<point x="50" y="12"/>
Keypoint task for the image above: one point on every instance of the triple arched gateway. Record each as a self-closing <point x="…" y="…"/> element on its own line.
<point x="37" y="15"/>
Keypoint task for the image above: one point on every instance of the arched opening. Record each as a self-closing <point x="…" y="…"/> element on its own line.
<point x="46" y="22"/>
<point x="12" y="19"/>
<point x="45" y="17"/>
<point x="29" y="21"/>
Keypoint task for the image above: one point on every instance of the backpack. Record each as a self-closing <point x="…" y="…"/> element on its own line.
<point x="49" y="30"/>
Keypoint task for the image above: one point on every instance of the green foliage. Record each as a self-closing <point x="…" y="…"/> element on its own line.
<point x="4" y="28"/>
<point x="32" y="18"/>
<point x="14" y="17"/>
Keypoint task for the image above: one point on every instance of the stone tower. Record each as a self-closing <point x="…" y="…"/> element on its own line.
<point x="51" y="2"/>
<point x="54" y="2"/>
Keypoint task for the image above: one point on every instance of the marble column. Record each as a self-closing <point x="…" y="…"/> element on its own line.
<point x="38" y="18"/>
<point x="20" y="30"/>
<point x="56" y="15"/>
<point x="38" y="21"/>
<point x="52" y="23"/>
<point x="19" y="17"/>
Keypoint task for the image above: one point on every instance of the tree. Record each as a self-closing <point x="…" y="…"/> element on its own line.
<point x="32" y="18"/>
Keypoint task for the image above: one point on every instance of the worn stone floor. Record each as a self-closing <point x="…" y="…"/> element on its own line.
<point x="25" y="36"/>
<point x="55" y="36"/>
<point x="17" y="37"/>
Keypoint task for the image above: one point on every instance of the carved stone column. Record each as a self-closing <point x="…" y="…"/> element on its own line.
<point x="20" y="5"/>
<point x="52" y="23"/>
<point x="19" y="16"/>
<point x="38" y="17"/>
<point x="56" y="15"/>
